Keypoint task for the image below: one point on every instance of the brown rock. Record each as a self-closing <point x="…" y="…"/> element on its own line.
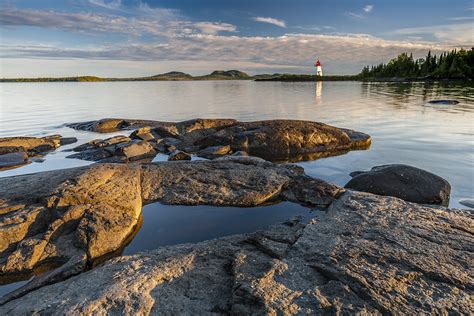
<point x="179" y="155"/>
<point x="366" y="255"/>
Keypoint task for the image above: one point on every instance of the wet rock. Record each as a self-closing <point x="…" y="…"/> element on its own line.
<point x="12" y="160"/>
<point x="212" y="152"/>
<point x="366" y="255"/>
<point x="286" y="140"/>
<point x="240" y="154"/>
<point x="274" y="140"/>
<point x="179" y="155"/>
<point x="467" y="202"/>
<point x="444" y="102"/>
<point x="115" y="149"/>
<point x="67" y="140"/>
<point x="402" y="181"/>
<point x="93" y="154"/>
<point x="101" y="126"/>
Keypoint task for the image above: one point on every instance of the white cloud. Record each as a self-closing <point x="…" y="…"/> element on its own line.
<point x="214" y="28"/>
<point x="112" y="4"/>
<point x="341" y="54"/>
<point x="460" y="34"/>
<point x="368" y="8"/>
<point x="273" y="21"/>
<point x="355" y="15"/>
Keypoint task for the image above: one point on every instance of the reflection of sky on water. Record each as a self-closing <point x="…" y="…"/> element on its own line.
<point x="404" y="127"/>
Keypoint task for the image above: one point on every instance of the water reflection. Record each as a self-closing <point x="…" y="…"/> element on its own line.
<point x="176" y="224"/>
<point x="319" y="92"/>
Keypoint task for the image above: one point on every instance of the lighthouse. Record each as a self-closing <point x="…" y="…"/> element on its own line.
<point x="319" y="69"/>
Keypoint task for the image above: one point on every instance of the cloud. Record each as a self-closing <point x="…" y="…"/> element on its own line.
<point x="148" y="21"/>
<point x="355" y="15"/>
<point x="273" y="21"/>
<point x="459" y="34"/>
<point x="368" y="8"/>
<point x="214" y="28"/>
<point x="362" y="14"/>
<point x="341" y="54"/>
<point x="112" y="4"/>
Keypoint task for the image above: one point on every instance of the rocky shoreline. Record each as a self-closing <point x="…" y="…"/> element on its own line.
<point x="361" y="253"/>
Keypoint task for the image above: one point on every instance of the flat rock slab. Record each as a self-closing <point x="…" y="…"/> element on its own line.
<point x="366" y="254"/>
<point x="74" y="217"/>
<point x="402" y="181"/>
<point x="274" y="140"/>
<point x="14" y="151"/>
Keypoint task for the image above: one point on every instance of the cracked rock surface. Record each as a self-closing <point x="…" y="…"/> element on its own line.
<point x="274" y="140"/>
<point x="74" y="217"/>
<point x="365" y="254"/>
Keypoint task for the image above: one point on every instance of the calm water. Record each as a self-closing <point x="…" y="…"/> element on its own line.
<point x="404" y="127"/>
<point x="177" y="224"/>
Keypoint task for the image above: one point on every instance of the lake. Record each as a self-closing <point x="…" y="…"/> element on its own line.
<point x="405" y="128"/>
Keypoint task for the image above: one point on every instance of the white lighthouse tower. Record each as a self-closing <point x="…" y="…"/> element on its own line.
<point x="319" y="68"/>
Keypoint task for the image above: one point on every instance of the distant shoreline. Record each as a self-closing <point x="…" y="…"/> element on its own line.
<point x="234" y="75"/>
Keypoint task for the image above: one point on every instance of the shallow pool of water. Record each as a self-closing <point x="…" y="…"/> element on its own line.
<point x="165" y="225"/>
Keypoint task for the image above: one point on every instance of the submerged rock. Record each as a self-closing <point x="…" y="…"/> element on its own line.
<point x="366" y="254"/>
<point x="445" y="102"/>
<point x="67" y="140"/>
<point x="467" y="202"/>
<point x="402" y="181"/>
<point x="274" y="140"/>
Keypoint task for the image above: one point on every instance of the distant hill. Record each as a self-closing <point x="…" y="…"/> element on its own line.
<point x="173" y="75"/>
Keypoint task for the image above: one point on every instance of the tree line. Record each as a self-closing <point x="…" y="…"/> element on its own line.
<point x="456" y="64"/>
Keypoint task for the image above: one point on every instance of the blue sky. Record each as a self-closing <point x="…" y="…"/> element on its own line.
<point x="140" y="37"/>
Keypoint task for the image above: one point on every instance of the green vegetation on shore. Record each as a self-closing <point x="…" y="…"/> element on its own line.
<point x="457" y="64"/>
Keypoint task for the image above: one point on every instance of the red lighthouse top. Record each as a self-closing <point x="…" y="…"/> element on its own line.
<point x="318" y="63"/>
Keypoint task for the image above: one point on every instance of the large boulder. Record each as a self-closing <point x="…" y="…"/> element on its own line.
<point x="274" y="140"/>
<point x="402" y="181"/>
<point x="365" y="255"/>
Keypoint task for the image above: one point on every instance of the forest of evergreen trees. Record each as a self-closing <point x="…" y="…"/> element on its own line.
<point x="457" y="64"/>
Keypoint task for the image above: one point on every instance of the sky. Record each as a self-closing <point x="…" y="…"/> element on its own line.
<point x="126" y="38"/>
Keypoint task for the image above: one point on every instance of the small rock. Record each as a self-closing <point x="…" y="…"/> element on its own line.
<point x="13" y="159"/>
<point x="67" y="140"/>
<point x="144" y="133"/>
<point x="240" y="153"/>
<point x="402" y="181"/>
<point x="135" y="150"/>
<point x="214" y="151"/>
<point x="467" y="202"/>
<point x="444" y="102"/>
<point x="179" y="155"/>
